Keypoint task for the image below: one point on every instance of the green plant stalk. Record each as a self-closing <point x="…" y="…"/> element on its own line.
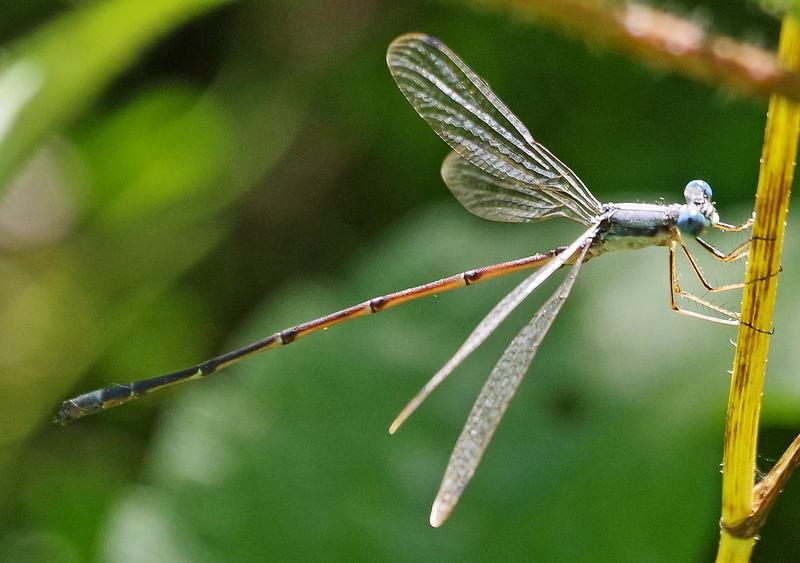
<point x="53" y="75"/>
<point x="744" y="405"/>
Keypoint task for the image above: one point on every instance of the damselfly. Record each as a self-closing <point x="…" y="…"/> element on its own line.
<point x="498" y="172"/>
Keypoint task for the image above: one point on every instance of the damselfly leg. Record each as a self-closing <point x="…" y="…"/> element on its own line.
<point x="739" y="252"/>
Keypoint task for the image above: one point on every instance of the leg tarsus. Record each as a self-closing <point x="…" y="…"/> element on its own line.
<point x="736" y="254"/>
<point x="702" y="278"/>
<point x="728" y="228"/>
<point x="675" y="290"/>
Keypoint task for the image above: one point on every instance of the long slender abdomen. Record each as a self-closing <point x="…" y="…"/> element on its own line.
<point x="118" y="394"/>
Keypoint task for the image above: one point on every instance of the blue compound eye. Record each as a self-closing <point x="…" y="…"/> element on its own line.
<point x="698" y="187"/>
<point x="691" y="222"/>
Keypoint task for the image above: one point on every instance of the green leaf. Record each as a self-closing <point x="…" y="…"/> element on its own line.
<point x="51" y="76"/>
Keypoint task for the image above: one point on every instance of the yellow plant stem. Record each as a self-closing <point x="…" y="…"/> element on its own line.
<point x="739" y="522"/>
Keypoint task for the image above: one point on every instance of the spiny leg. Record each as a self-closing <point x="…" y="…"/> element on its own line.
<point x="702" y="278"/>
<point x="728" y="228"/>
<point x="736" y="254"/>
<point x="675" y="290"/>
<point x="705" y="303"/>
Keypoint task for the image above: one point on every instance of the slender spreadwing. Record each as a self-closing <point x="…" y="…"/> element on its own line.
<point x="498" y="172"/>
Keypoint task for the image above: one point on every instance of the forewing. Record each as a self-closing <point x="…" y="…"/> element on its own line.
<point x="463" y="111"/>
<point x="494" y="397"/>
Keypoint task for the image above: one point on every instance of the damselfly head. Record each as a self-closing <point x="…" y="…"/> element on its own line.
<point x="691" y="222"/>
<point x="699" y="212"/>
<point x="698" y="192"/>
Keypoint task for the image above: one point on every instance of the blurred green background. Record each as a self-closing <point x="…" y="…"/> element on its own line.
<point x="182" y="177"/>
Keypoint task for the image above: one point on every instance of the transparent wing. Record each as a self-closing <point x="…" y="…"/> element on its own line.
<point x="463" y="111"/>
<point x="491" y="321"/>
<point x="498" y="199"/>
<point x="493" y="400"/>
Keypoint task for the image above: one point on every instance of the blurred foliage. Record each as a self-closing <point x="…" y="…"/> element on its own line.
<point x="779" y="7"/>
<point x="41" y="88"/>
<point x="255" y="168"/>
